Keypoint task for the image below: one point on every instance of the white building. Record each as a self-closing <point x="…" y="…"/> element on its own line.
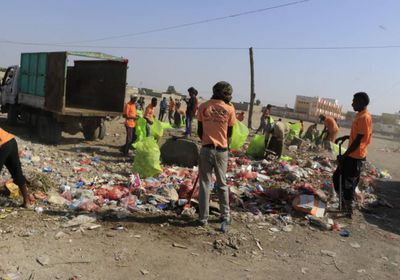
<point x="315" y="106"/>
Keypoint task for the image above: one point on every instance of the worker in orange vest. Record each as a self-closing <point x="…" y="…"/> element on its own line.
<point x="10" y="158"/>
<point x="130" y="116"/>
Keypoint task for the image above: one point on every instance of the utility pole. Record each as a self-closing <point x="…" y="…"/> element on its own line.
<point x="252" y="94"/>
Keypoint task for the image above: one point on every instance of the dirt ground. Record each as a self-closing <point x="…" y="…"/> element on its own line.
<point x="166" y="246"/>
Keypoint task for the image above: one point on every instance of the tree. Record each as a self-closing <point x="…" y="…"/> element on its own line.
<point x="171" y="90"/>
<point x="258" y="102"/>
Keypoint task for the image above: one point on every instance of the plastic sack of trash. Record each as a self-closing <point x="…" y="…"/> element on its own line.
<point x="257" y="147"/>
<point x="166" y="125"/>
<point x="157" y="130"/>
<point x="147" y="159"/>
<point x="239" y="135"/>
<point x="335" y="149"/>
<point x="140" y="129"/>
<point x="294" y="130"/>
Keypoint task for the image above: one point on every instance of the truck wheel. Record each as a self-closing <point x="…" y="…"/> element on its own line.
<point x="102" y="130"/>
<point x="91" y="132"/>
<point x="12" y="115"/>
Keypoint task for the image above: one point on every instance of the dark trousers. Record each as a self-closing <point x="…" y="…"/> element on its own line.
<point x="275" y="145"/>
<point x="10" y="158"/>
<point x="130" y="138"/>
<point x="177" y="119"/>
<point x="351" y="170"/>
<point x="189" y="118"/>
<point x="161" y="115"/>
<point x="171" y="117"/>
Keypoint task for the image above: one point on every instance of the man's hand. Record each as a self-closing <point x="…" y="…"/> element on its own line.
<point x="342" y="139"/>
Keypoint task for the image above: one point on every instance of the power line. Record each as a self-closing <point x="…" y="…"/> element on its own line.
<point x="205" y="48"/>
<point x="189" y="23"/>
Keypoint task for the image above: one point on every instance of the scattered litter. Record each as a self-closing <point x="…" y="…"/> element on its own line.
<point x="43" y="260"/>
<point x="345" y="233"/>
<point x="176" y="245"/>
<point x="328" y="253"/>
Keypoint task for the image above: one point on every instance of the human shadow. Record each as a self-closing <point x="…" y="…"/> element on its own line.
<point x="386" y="215"/>
<point x="173" y="218"/>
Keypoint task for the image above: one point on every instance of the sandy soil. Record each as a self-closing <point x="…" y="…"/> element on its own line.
<point x="144" y="247"/>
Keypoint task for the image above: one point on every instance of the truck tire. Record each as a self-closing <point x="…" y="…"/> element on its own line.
<point x="91" y="131"/>
<point x="12" y="115"/>
<point x="49" y="130"/>
<point x="102" y="130"/>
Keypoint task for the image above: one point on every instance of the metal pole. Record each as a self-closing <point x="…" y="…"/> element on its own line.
<point x="252" y="94"/>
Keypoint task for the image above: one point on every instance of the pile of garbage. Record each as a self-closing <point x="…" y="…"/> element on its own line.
<point x="297" y="183"/>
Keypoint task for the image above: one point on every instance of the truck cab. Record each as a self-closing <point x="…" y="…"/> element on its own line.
<point x="64" y="91"/>
<point x="9" y="93"/>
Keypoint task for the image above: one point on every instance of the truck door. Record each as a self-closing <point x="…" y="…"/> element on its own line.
<point x="9" y="86"/>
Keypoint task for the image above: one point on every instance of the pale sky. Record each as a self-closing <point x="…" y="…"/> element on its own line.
<point x="279" y="74"/>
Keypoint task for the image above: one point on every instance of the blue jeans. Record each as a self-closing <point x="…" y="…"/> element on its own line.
<point x="189" y="118"/>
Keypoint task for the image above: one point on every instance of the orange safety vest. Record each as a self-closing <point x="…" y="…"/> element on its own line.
<point x="5" y="137"/>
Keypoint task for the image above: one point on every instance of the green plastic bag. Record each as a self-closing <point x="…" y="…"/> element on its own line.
<point x="147" y="159"/>
<point x="294" y="130"/>
<point x="286" y="158"/>
<point x="166" y="125"/>
<point x="239" y="135"/>
<point x="156" y="130"/>
<point x="335" y="149"/>
<point x="140" y="129"/>
<point x="257" y="147"/>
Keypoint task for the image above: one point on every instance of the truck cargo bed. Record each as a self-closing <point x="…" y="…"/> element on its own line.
<point x="92" y="87"/>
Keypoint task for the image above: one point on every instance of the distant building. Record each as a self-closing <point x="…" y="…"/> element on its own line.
<point x="393" y="119"/>
<point x="315" y="106"/>
<point x="241" y="106"/>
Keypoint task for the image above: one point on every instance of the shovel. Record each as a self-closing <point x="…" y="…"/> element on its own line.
<point x="340" y="178"/>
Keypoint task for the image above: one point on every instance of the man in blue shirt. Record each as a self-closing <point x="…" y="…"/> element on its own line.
<point x="163" y="109"/>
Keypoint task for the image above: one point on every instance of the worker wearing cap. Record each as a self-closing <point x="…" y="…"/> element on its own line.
<point x="10" y="158"/>
<point x="130" y="116"/>
<point x="352" y="160"/>
<point x="275" y="136"/>
<point x="330" y="131"/>
<point x="216" y="118"/>
<point x="149" y="115"/>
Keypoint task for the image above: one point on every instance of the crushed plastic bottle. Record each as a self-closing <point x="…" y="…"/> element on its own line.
<point x="47" y="169"/>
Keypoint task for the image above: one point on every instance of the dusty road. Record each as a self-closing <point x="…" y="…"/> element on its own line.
<point x="164" y="246"/>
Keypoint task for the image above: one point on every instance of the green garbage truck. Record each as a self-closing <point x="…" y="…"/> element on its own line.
<point x="64" y="91"/>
